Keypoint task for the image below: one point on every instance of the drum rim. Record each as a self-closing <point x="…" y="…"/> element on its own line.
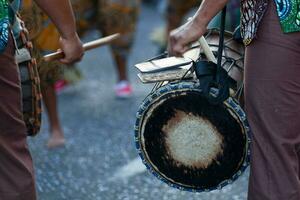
<point x="189" y="86"/>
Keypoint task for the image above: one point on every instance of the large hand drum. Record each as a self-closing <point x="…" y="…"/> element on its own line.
<point x="181" y="137"/>
<point x="189" y="143"/>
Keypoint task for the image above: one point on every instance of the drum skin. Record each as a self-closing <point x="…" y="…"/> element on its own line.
<point x="188" y="143"/>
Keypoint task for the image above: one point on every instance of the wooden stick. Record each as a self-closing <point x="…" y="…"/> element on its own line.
<point x="207" y="51"/>
<point x="87" y="46"/>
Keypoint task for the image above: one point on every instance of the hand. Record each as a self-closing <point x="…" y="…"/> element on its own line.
<point x="182" y="37"/>
<point x="72" y="48"/>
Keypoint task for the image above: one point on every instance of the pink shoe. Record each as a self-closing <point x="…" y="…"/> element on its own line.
<point x="123" y="89"/>
<point x="60" y="85"/>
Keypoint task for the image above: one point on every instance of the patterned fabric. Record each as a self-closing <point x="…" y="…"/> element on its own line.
<point x="253" y="11"/>
<point x="4" y="24"/>
<point x="109" y="13"/>
<point x="289" y="14"/>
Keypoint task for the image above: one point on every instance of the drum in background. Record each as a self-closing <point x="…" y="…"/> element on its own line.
<point x="30" y="82"/>
<point x="189" y="143"/>
<point x="233" y="53"/>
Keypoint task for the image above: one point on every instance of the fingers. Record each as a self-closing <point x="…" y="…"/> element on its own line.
<point x="71" y="60"/>
<point x="72" y="48"/>
<point x="181" y="38"/>
<point x="177" y="45"/>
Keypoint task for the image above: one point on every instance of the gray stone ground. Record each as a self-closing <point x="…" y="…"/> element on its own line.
<point x="100" y="160"/>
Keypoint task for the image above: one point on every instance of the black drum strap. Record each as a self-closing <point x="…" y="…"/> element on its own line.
<point x="222" y="75"/>
<point x="221" y="39"/>
<point x="218" y="78"/>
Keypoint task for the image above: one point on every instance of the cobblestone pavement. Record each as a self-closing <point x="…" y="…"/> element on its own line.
<point x="100" y="160"/>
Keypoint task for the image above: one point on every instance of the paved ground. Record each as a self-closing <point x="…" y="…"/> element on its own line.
<point x="99" y="160"/>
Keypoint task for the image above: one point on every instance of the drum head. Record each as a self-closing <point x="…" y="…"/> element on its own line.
<point x="189" y="143"/>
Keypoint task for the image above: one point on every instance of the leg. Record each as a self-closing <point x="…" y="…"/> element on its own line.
<point x="57" y="137"/>
<point x="121" y="63"/>
<point x="16" y="168"/>
<point x="120" y="54"/>
<point x="50" y="73"/>
<point x="109" y="23"/>
<point x="272" y="96"/>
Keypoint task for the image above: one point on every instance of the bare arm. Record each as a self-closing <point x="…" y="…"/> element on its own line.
<point x="61" y="13"/>
<point x="181" y="37"/>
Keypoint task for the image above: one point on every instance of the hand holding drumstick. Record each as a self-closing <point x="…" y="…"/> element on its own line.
<point x="87" y="46"/>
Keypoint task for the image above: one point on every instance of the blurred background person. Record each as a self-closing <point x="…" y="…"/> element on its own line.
<point x="119" y="16"/>
<point x="109" y="17"/>
<point x="103" y="15"/>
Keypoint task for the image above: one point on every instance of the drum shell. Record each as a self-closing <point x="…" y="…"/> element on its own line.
<point x="30" y="84"/>
<point x="31" y="97"/>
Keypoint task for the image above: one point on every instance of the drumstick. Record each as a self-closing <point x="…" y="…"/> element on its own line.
<point x="87" y="46"/>
<point x="207" y="51"/>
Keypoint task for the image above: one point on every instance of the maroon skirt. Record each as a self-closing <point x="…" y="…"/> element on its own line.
<point x="272" y="98"/>
<point x="16" y="168"/>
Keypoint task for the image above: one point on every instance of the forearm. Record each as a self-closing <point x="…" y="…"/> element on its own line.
<point x="61" y="13"/>
<point x="207" y="10"/>
<point x="181" y="38"/>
